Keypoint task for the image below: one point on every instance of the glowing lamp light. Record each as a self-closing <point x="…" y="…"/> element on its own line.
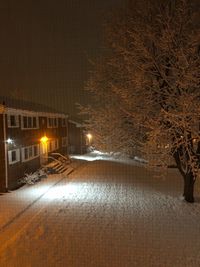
<point x="89" y="136"/>
<point x="9" y="141"/>
<point x="44" y="139"/>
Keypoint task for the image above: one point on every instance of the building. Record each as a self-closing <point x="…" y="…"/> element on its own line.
<point x="28" y="134"/>
<point x="77" y="138"/>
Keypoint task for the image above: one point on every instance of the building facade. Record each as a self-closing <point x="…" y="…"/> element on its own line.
<point x="27" y="137"/>
<point x="77" y="138"/>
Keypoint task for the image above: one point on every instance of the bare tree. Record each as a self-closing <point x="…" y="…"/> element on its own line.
<point x="147" y="88"/>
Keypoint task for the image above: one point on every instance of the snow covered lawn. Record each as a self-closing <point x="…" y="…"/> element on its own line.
<point x="108" y="213"/>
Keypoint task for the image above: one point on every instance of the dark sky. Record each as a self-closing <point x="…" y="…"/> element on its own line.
<point x="45" y="46"/>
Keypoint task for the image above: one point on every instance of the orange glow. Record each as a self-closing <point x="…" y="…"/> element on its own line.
<point x="89" y="136"/>
<point x="44" y="139"/>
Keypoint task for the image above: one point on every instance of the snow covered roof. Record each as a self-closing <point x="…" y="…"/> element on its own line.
<point x="9" y="104"/>
<point x="76" y="123"/>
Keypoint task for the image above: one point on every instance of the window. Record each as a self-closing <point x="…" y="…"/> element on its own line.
<point x="53" y="145"/>
<point x="25" y="122"/>
<point x="13" y="120"/>
<point x="30" y="152"/>
<point x="13" y="156"/>
<point x="64" y="122"/>
<point x="49" y="146"/>
<point x="25" y="153"/>
<point x="56" y="144"/>
<point x="52" y="122"/>
<point x="34" y="122"/>
<point x="64" y="141"/>
<point x="35" y="150"/>
<point x="30" y="122"/>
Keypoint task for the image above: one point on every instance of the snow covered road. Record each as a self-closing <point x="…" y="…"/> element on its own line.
<point x="108" y="214"/>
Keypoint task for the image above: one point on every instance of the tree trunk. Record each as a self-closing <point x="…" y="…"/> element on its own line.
<point x="189" y="181"/>
<point x="188" y="177"/>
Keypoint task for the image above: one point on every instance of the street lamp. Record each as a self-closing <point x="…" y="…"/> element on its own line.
<point x="44" y="139"/>
<point x="89" y="137"/>
<point x="43" y="149"/>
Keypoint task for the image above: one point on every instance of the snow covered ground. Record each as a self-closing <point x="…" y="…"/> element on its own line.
<point x="107" y="213"/>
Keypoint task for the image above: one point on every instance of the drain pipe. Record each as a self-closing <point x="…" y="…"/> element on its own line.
<point x="5" y="150"/>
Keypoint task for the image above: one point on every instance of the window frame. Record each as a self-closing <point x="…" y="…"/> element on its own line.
<point x="56" y="144"/>
<point x="28" y="120"/>
<point x="16" y="116"/>
<point x="52" y="122"/>
<point x="30" y="152"/>
<point x="53" y="145"/>
<point x="17" y="151"/>
<point x="64" y="122"/>
<point x="64" y="141"/>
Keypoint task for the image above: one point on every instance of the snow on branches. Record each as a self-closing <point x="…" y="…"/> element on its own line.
<point x="147" y="88"/>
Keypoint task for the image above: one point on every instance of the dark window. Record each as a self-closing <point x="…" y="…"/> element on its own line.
<point x="25" y="122"/>
<point x="30" y="152"/>
<point x="13" y="156"/>
<point x="55" y="122"/>
<point x="50" y="122"/>
<point x="13" y="120"/>
<point x="29" y="122"/>
<point x="34" y="122"/>
<point x="25" y="153"/>
<point x="64" y="122"/>
<point x="56" y="144"/>
<point x="35" y="151"/>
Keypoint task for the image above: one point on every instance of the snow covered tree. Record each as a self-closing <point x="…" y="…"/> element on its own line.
<point x="146" y="89"/>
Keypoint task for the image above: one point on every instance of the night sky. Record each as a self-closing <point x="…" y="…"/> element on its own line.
<point x="45" y="46"/>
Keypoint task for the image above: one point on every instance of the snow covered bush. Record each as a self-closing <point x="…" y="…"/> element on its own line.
<point x="146" y="89"/>
<point x="32" y="178"/>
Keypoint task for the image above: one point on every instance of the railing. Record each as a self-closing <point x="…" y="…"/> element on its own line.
<point x="60" y="155"/>
<point x="49" y="157"/>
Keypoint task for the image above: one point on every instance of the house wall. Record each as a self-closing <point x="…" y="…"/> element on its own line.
<point x="17" y="171"/>
<point x="76" y="139"/>
<point x="28" y="137"/>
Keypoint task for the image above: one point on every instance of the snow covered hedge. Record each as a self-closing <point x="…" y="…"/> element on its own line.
<point x="32" y="178"/>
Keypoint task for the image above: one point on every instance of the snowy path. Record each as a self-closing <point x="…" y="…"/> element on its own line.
<point x="108" y="214"/>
